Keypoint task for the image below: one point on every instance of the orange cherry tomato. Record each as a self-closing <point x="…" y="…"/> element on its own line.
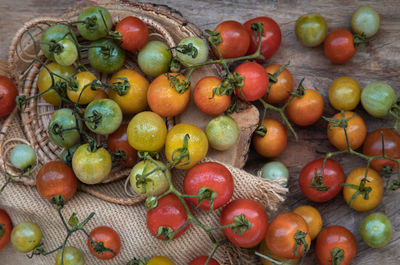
<point x="312" y="217"/>
<point x="235" y="39"/>
<point x="339" y="46"/>
<point x="110" y="239"/>
<point x="275" y="140"/>
<point x="279" y="90"/>
<point x="307" y="109"/>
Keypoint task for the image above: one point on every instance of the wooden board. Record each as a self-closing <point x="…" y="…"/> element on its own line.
<point x="377" y="60"/>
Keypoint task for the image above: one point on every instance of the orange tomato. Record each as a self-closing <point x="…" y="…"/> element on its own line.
<point x="307" y="109"/>
<point x="279" y="91"/>
<point x="275" y="140"/>
<point x="84" y="79"/>
<point x="312" y="217"/>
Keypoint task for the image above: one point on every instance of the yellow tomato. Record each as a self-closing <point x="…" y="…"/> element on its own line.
<point x="84" y="79"/>
<point x="344" y="93"/>
<point x="312" y="217"/>
<point x="160" y="260"/>
<point x="265" y="251"/>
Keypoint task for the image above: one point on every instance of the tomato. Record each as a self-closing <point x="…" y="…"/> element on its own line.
<point x="203" y="96"/>
<point x="344" y="93"/>
<point x="197" y="144"/>
<point x="279" y="90"/>
<point x="373" y="147"/>
<point x="280" y="237"/>
<point x="101" y="94"/>
<point x="312" y="217"/>
<point x="53" y="35"/>
<point x="212" y="176"/>
<point x="5" y="229"/>
<point x="152" y="185"/>
<point x="276" y="171"/>
<point x="84" y="81"/>
<point x="56" y="178"/>
<point x="98" y="22"/>
<point x="135" y="99"/>
<point x="170" y="214"/>
<point x="311" y="29"/>
<point x="365" y="21"/>
<point x="307" y="109"/>
<point x="68" y="53"/>
<point x="222" y="132"/>
<point x="254" y="213"/>
<point x="110" y="239"/>
<point x="106" y="56"/>
<point x="374" y="181"/>
<point x="255" y="81"/>
<point x="377" y="99"/>
<point x="52" y="96"/>
<point x="8" y="94"/>
<point x="202" y="260"/>
<point x="199" y="55"/>
<point x="356" y="131"/>
<point x="25" y="236"/>
<point x="376" y="230"/>
<point x="62" y="128"/>
<point x="263" y="249"/>
<point x="271" y="39"/>
<point x="339" y="46"/>
<point x="154" y="58"/>
<point x="160" y="260"/>
<point x="91" y="167"/>
<point x="333" y="240"/>
<point x="67" y="154"/>
<point x="147" y="132"/>
<point x="72" y="256"/>
<point x="103" y="116"/>
<point x="235" y="40"/>
<point x="23" y="157"/>
<point x="163" y="96"/>
<point x="333" y="178"/>
<point x="118" y="141"/>
<point x="134" y="33"/>
<point x="275" y="140"/>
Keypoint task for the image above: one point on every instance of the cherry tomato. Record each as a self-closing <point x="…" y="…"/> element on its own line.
<point x="344" y="93"/>
<point x="311" y="29"/>
<point x="118" y="141"/>
<point x="84" y="81"/>
<point x="280" y="237"/>
<point x="101" y="94"/>
<point x="53" y="35"/>
<point x="134" y="33"/>
<point x="25" y="236"/>
<point x="8" y="94"/>
<point x="376" y="230"/>
<point x="312" y="217"/>
<point x="23" y="157"/>
<point x="160" y="260"/>
<point x="333" y="178"/>
<point x="365" y="21"/>
<point x="377" y="99"/>
<point x="275" y="140"/>
<point x="339" y="46"/>
<point x="222" y="132"/>
<point x="110" y="239"/>
<point x="62" y="128"/>
<point x="5" y="229"/>
<point x="335" y="245"/>
<point x="235" y="40"/>
<point x="254" y="213"/>
<point x="255" y="81"/>
<point x="374" y="181"/>
<point x="106" y="56"/>
<point x="356" y="131"/>
<point x="103" y="116"/>
<point x="307" y="109"/>
<point x="199" y="55"/>
<point x="203" y="96"/>
<point x="279" y="90"/>
<point x="276" y="171"/>
<point x="170" y="214"/>
<point x="263" y="249"/>
<point x="373" y="147"/>
<point x="202" y="260"/>
<point x="68" y="53"/>
<point x="72" y="256"/>
<point x="98" y="23"/>
<point x="271" y="39"/>
<point x="154" y="58"/>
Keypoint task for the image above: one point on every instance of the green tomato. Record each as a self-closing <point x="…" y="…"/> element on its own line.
<point x="376" y="230"/>
<point x="53" y="35"/>
<point x="377" y="99"/>
<point x="94" y="27"/>
<point x="26" y="236"/>
<point x="103" y="116"/>
<point x="311" y="29"/>
<point x="275" y="171"/>
<point x="222" y="132"/>
<point x="72" y="256"/>
<point x="152" y="185"/>
<point x="62" y="128"/>
<point x="154" y="58"/>
<point x="23" y="157"/>
<point x="67" y="154"/>
<point x="365" y="20"/>
<point x="68" y="54"/>
<point x="198" y="54"/>
<point x="106" y="56"/>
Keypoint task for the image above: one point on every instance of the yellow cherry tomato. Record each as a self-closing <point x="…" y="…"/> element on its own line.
<point x="344" y="93"/>
<point x="263" y="249"/>
<point x="135" y="99"/>
<point x="375" y="195"/>
<point x="160" y="260"/>
<point x="312" y="217"/>
<point x="83" y="79"/>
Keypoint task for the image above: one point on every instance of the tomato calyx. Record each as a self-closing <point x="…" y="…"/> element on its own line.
<point x="241" y="224"/>
<point x="181" y="153"/>
<point x="121" y="87"/>
<point x="187" y="49"/>
<point x="180" y="86"/>
<point x="206" y="194"/>
<point x="317" y="182"/>
<point x="94" y="119"/>
<point x="214" y="37"/>
<point x="359" y="39"/>
<point x="99" y="247"/>
<point x="258" y="29"/>
<point x="337" y="255"/>
<point x="135" y="261"/>
<point x="2" y="230"/>
<point x="145" y="155"/>
<point x="54" y="46"/>
<point x="119" y="155"/>
<point x="361" y="190"/>
<point x="58" y="201"/>
<point x="300" y="239"/>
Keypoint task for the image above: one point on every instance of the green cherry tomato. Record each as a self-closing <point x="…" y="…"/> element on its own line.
<point x="377" y="99"/>
<point x="106" y="56"/>
<point x="275" y="171"/>
<point x="94" y="27"/>
<point x="62" y="128"/>
<point x="365" y="20"/>
<point x="67" y="154"/>
<point x="103" y="116"/>
<point x="68" y="53"/>
<point x="222" y="132"/>
<point x="72" y="256"/>
<point x="311" y="29"/>
<point x="26" y="236"/>
<point x="23" y="156"/>
<point x="51" y="36"/>
<point x="376" y="230"/>
<point x="192" y="50"/>
<point x="154" y="58"/>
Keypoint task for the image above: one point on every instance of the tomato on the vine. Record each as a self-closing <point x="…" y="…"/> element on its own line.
<point x="98" y="22"/>
<point x="106" y="56"/>
<point x="72" y="256"/>
<point x="110" y="239"/>
<point x="118" y="141"/>
<point x="312" y="217"/>
<point x="311" y="29"/>
<point x="68" y="52"/>
<point x="274" y="142"/>
<point x="198" y="48"/>
<point x="344" y="93"/>
<point x="134" y="33"/>
<point x="25" y="236"/>
<point x="5" y="229"/>
<point x="202" y="260"/>
<point x="377" y="98"/>
<point x="103" y="116"/>
<point x="154" y="58"/>
<point x="63" y="128"/>
<point x="376" y="230"/>
<point x="53" y="35"/>
<point x="307" y="109"/>
<point x="83" y="83"/>
<point x="279" y="90"/>
<point x="8" y="94"/>
<point x="235" y="40"/>
<point x="160" y="260"/>
<point x="222" y="132"/>
<point x="255" y="81"/>
<point x="365" y="21"/>
<point x="339" y="46"/>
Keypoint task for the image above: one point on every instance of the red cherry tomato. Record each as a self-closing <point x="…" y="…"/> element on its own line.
<point x="118" y="141"/>
<point x="255" y="83"/>
<point x="8" y="93"/>
<point x="235" y="39"/>
<point x="134" y="33"/>
<point x="202" y="260"/>
<point x="333" y="178"/>
<point x="110" y="239"/>
<point x="339" y="46"/>
<point x="254" y="213"/>
<point x="5" y="229"/>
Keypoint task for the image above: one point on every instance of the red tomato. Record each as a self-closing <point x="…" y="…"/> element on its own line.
<point x="255" y="83"/>
<point x="134" y="33"/>
<point x="254" y="213"/>
<point x="5" y="229"/>
<point x="202" y="260"/>
<point x="270" y="41"/>
<point x="110" y="239"/>
<point x="333" y="179"/>
<point x="213" y="176"/>
<point x="339" y="46"/>
<point x="335" y="237"/>
<point x="307" y="109"/>
<point x="118" y="141"/>
<point x="235" y="39"/>
<point x="8" y="93"/>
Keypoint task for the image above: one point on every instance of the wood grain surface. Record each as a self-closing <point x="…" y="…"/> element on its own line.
<point x="377" y="60"/>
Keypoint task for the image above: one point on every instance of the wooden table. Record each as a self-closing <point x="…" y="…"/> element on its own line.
<point x="377" y="60"/>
